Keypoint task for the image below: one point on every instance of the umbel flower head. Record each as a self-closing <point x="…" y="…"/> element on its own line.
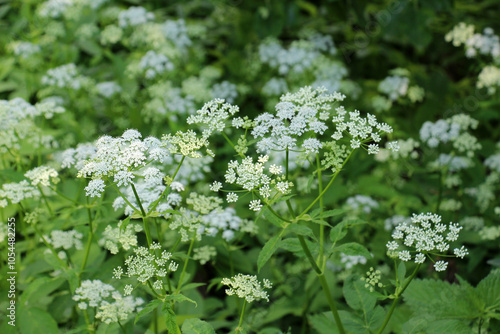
<point x="247" y="286"/>
<point x="118" y="158"/>
<point x="425" y="235"/>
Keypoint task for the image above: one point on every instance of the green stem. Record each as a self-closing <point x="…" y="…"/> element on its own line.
<point x="231" y="143"/>
<point x="49" y="246"/>
<point x="333" y="308"/>
<point x="185" y="264"/>
<point x="64" y="196"/>
<point x="309" y="256"/>
<point x="167" y="188"/>
<point x="137" y="198"/>
<point x="90" y="327"/>
<point x="122" y="328"/>
<point x="241" y="316"/>
<point x="326" y="188"/>
<point x="123" y="196"/>
<point x="396" y="298"/>
<point x="46" y="201"/>
<point x="89" y="242"/>
<point x="321" y="205"/>
<point x="144" y="217"/>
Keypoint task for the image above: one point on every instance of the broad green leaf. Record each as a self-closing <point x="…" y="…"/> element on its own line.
<point x="321" y="222"/>
<point x="192" y="286"/>
<point x="196" y="326"/>
<point x="357" y="295"/>
<point x="40" y="288"/>
<point x="323" y="323"/>
<point x="148" y="309"/>
<point x="293" y="245"/>
<point x="33" y="320"/>
<point x="268" y="250"/>
<point x="332" y="213"/>
<point x="353" y="248"/>
<point x="489" y="289"/>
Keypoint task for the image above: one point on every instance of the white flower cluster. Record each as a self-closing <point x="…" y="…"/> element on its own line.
<point x="248" y="287"/>
<point x="155" y="64"/>
<point x="427" y="235"/>
<point x="362" y="203"/>
<point x="460" y="34"/>
<point x="115" y="237"/>
<point x="16" y="192"/>
<point x="455" y="130"/>
<point x="297" y="58"/>
<point x="361" y="130"/>
<point x="76" y="156"/>
<point x="65" y="76"/>
<point x="393" y="221"/>
<point x="65" y="239"/>
<point x="119" y="157"/>
<point x="176" y="32"/>
<point x="94" y="294"/>
<point x="489" y="78"/>
<point x="350" y="261"/>
<point x="25" y="49"/>
<point x="145" y="264"/>
<point x="186" y="143"/>
<point x="54" y="8"/>
<point x="275" y="87"/>
<point x="120" y="309"/>
<point x="297" y="114"/>
<point x="452" y="163"/>
<point x="42" y="175"/>
<point x="134" y="16"/>
<point x="213" y="116"/>
<point x="17" y="122"/>
<point x="226" y="222"/>
<point x="108" y="88"/>
<point x="329" y="74"/>
<point x="394" y="86"/>
<point x="250" y="176"/>
<point x="203" y="254"/>
<point x="225" y="91"/>
<point x="493" y="162"/>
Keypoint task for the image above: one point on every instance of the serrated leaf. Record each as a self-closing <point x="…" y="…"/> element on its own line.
<point x="301" y="230"/>
<point x="357" y="296"/>
<point x="323" y="323"/>
<point x="332" y="213"/>
<point x="353" y="248"/>
<point x="191" y="286"/>
<point x="152" y="305"/>
<point x="489" y="289"/>
<point x="321" y="222"/>
<point x="178" y="298"/>
<point x="337" y="233"/>
<point x="268" y="250"/>
<point x="196" y="326"/>
<point x="170" y="318"/>
<point x="293" y="245"/>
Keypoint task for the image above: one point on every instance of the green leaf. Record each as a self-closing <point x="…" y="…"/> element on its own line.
<point x="268" y="250"/>
<point x="178" y="298"/>
<point x="323" y="323"/>
<point x="170" y="318"/>
<point x="35" y="321"/>
<point x="293" y="245"/>
<point x="196" y="326"/>
<point x="272" y="218"/>
<point x="321" y="222"/>
<point x="489" y="289"/>
<point x="353" y="248"/>
<point x="191" y="286"/>
<point x="301" y="230"/>
<point x="148" y="309"/>
<point x="38" y="289"/>
<point x="337" y="233"/>
<point x="357" y="296"/>
<point x="332" y="213"/>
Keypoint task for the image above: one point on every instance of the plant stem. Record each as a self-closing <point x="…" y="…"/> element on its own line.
<point x="89" y="242"/>
<point x="241" y="316"/>
<point x="231" y="143"/>
<point x="90" y="327"/>
<point x="331" y="302"/>
<point x="185" y="264"/>
<point x="149" y="239"/>
<point x="124" y="197"/>
<point x="46" y="201"/>
<point x="167" y="189"/>
<point x="321" y="205"/>
<point x="396" y="298"/>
